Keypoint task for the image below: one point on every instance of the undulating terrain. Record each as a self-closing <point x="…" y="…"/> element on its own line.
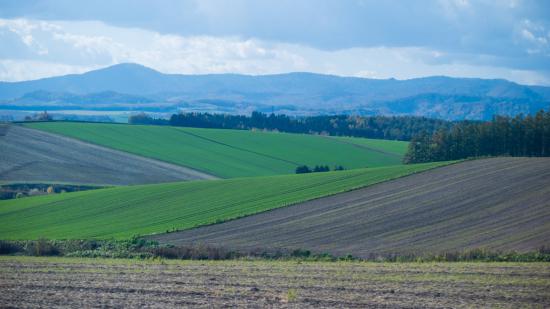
<point x="275" y="154"/>
<point x="233" y="153"/>
<point x="29" y="155"/>
<point x="123" y="212"/>
<point x="131" y="87"/>
<point x="499" y="204"/>
<point x="82" y="283"/>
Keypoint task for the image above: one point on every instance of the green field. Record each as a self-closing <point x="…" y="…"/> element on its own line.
<point x="391" y="147"/>
<point x="122" y="212"/>
<point x="234" y="153"/>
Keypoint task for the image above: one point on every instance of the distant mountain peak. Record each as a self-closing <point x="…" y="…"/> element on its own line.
<point x="297" y="92"/>
<point x="126" y="67"/>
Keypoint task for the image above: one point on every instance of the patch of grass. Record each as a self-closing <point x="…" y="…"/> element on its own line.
<point x="233" y="153"/>
<point x="291" y="295"/>
<point x="123" y="212"/>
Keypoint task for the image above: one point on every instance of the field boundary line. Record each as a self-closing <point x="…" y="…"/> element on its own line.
<point x="166" y="164"/>
<point x="389" y="153"/>
<point x="238" y="148"/>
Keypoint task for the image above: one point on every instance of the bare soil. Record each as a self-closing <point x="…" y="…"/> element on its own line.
<point x="81" y="283"/>
<point x="498" y="204"/>
<point x="28" y="155"/>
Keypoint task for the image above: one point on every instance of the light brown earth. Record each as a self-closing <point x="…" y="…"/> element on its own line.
<point x="81" y="283"/>
<point x="498" y="204"/>
<point x="28" y="155"/>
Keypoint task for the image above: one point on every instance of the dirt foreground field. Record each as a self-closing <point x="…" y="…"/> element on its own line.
<point x="80" y="283"/>
<point x="499" y="204"/>
<point x="29" y="155"/>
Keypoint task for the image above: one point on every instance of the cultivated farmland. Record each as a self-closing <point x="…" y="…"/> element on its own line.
<point x="35" y="156"/>
<point x="233" y="153"/>
<point x="499" y="204"/>
<point x="123" y="212"/>
<point x="52" y="282"/>
<point x="380" y="145"/>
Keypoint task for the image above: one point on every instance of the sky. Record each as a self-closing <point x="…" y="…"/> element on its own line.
<point x="507" y="39"/>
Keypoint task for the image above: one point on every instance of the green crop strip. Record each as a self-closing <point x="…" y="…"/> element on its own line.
<point x="234" y="153"/>
<point x="123" y="212"/>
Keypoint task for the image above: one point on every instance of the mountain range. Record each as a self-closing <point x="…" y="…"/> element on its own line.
<point x="133" y="87"/>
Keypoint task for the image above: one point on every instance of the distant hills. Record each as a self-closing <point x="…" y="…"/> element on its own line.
<point x="132" y="87"/>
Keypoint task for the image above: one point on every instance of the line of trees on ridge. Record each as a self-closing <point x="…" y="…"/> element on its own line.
<point x="380" y="127"/>
<point x="502" y="136"/>
<point x="304" y="169"/>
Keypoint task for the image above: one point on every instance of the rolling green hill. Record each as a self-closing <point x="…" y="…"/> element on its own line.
<point x="122" y="212"/>
<point x="391" y="147"/>
<point x="233" y="153"/>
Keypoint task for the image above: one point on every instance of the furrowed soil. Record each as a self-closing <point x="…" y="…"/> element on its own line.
<point x="29" y="155"/>
<point x="82" y="283"/>
<point x="498" y="204"/>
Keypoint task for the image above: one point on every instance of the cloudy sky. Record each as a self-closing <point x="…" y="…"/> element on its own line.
<point x="377" y="39"/>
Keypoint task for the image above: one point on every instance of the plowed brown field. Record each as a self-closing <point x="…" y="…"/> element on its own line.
<point x="500" y="204"/>
<point x="81" y="283"/>
<point x="28" y="155"/>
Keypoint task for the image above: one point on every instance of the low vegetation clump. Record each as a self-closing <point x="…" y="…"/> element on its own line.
<point x="44" y="116"/>
<point x="20" y="190"/>
<point x="138" y="248"/>
<point x="304" y="169"/>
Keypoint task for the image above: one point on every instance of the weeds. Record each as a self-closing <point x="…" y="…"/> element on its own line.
<point x="140" y="248"/>
<point x="291" y="295"/>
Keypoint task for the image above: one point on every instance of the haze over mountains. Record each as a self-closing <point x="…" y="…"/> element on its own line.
<point x="132" y="87"/>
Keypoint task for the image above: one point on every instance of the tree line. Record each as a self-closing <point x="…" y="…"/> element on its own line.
<point x="502" y="136"/>
<point x="304" y="169"/>
<point x="380" y="127"/>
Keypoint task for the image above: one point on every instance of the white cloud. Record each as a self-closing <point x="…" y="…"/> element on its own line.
<point x="16" y="70"/>
<point x="33" y="49"/>
<point x="167" y="53"/>
<point x="534" y="38"/>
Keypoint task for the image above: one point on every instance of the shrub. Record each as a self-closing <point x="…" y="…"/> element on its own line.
<point x="321" y="168"/>
<point x="42" y="247"/>
<point x="302" y="169"/>
<point x="300" y="253"/>
<point x="7" y="247"/>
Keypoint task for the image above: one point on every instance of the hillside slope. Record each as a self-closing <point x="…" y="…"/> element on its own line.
<point x="123" y="212"/>
<point x="29" y="156"/>
<point x="232" y="153"/>
<point x="501" y="203"/>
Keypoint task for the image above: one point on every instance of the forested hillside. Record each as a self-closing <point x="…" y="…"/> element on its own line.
<point x="503" y="136"/>
<point x="380" y="127"/>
